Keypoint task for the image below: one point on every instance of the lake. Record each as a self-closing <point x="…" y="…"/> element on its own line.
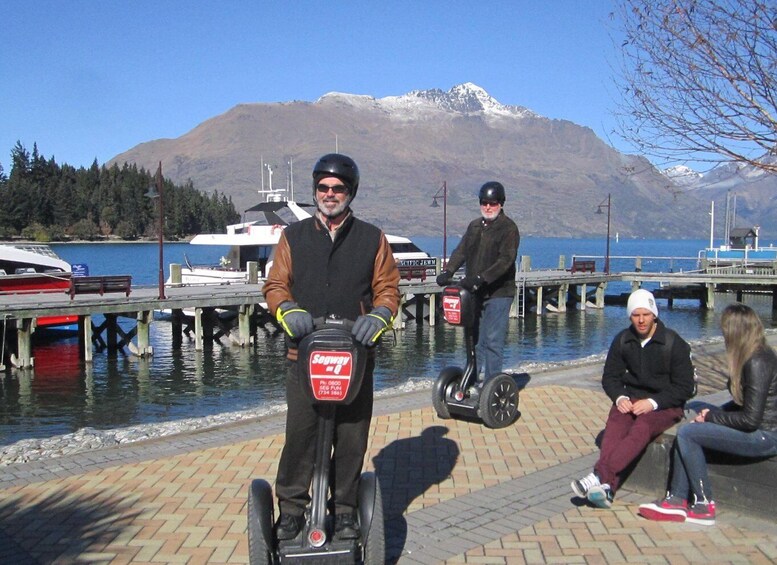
<point x="63" y="395"/>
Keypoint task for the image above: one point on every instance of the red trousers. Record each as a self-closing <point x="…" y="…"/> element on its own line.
<point x="626" y="436"/>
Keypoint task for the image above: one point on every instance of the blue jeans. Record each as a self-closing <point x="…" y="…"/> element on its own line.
<point x="689" y="467"/>
<point x="492" y="331"/>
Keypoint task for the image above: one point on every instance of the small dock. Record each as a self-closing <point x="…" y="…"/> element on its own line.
<point x="201" y="308"/>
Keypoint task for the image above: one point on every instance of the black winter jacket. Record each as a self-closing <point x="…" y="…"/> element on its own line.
<point x="489" y="249"/>
<point x="647" y="372"/>
<point x="759" y="388"/>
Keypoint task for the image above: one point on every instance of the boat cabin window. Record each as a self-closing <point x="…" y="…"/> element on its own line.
<point x="239" y="256"/>
<point x="408" y="247"/>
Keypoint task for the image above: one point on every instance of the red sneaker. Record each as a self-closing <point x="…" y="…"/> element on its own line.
<point x="702" y="513"/>
<point x="670" y="509"/>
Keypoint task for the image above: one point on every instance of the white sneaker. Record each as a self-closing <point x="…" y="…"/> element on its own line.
<point x="581" y="487"/>
<point x="600" y="496"/>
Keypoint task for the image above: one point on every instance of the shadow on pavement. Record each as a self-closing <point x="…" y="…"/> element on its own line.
<point x="407" y="468"/>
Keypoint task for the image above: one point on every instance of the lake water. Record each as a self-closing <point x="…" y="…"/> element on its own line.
<point x="63" y="395"/>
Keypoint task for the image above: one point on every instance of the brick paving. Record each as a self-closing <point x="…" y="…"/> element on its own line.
<point x="454" y="491"/>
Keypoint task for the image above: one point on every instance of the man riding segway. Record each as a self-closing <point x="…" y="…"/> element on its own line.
<point x="330" y="265"/>
<point x="481" y="304"/>
<point x="489" y="249"/>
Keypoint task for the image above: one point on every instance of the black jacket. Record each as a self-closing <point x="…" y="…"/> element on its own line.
<point x="647" y="372"/>
<point x="759" y="388"/>
<point x="489" y="249"/>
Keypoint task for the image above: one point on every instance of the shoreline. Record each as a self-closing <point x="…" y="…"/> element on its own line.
<point x="582" y="372"/>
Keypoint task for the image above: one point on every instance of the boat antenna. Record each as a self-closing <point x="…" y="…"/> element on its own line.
<point x="262" y="168"/>
<point x="291" y="178"/>
<point x="269" y="174"/>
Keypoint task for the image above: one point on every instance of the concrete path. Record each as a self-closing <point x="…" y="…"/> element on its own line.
<point x="454" y="491"/>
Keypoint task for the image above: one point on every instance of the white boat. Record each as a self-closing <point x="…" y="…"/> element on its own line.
<point x="742" y="250"/>
<point x="33" y="268"/>
<point x="255" y="241"/>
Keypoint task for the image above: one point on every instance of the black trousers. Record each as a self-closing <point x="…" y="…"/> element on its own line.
<point x="352" y="426"/>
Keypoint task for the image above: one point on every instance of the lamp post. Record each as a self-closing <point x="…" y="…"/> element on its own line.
<point x="442" y="192"/>
<point x="607" y="250"/>
<point x="155" y="191"/>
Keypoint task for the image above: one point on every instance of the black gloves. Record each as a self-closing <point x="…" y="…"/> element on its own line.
<point x="295" y="321"/>
<point x="472" y="283"/>
<point x="444" y="278"/>
<point x="367" y="329"/>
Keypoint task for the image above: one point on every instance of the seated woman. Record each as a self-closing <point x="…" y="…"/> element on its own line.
<point x="746" y="427"/>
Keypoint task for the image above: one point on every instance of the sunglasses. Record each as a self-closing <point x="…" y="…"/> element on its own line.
<point x="486" y="203"/>
<point x="337" y="189"/>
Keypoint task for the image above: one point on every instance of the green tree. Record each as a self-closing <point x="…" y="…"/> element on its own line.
<point x="39" y="192"/>
<point x="84" y="229"/>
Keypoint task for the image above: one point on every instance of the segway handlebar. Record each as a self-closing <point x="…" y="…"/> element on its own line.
<point x="332" y="322"/>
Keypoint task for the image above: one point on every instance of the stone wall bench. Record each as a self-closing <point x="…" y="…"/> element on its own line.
<point x="746" y="485"/>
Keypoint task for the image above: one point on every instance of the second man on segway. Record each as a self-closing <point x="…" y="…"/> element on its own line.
<point x="489" y="249"/>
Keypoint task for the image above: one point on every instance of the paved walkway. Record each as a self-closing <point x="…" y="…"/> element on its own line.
<point x="454" y="492"/>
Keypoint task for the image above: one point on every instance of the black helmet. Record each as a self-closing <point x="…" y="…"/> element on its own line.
<point x="493" y="191"/>
<point x="340" y="166"/>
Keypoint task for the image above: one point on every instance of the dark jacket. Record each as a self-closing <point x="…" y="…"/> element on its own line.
<point x="489" y="249"/>
<point x="759" y="388"/>
<point x="346" y="277"/>
<point x="647" y="372"/>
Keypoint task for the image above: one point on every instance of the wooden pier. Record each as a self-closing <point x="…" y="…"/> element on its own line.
<point x="540" y="291"/>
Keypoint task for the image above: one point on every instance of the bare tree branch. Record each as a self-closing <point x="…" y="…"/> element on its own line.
<point x="698" y="80"/>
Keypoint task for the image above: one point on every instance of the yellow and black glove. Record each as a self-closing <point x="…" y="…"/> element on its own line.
<point x="368" y="329"/>
<point x="295" y="321"/>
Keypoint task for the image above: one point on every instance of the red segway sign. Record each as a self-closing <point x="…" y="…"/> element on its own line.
<point x="451" y="308"/>
<point x="330" y="374"/>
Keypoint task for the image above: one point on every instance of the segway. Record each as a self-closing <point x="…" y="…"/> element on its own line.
<point x="458" y="392"/>
<point x="331" y="369"/>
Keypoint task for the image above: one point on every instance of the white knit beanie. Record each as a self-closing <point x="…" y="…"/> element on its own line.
<point x="641" y="298"/>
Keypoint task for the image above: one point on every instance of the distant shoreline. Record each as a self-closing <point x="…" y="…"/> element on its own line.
<point x="91" y="242"/>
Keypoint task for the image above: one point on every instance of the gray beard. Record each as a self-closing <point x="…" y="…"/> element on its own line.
<point x="334" y="213"/>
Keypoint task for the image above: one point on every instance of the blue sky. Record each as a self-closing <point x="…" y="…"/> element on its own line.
<point x="90" y="79"/>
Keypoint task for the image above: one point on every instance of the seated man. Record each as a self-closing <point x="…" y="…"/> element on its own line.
<point x="648" y="374"/>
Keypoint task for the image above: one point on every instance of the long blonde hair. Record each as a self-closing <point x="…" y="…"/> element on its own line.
<point x="743" y="333"/>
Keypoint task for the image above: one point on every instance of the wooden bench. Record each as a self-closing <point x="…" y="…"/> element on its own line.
<point x="100" y="285"/>
<point x="743" y="484"/>
<point x="581" y="266"/>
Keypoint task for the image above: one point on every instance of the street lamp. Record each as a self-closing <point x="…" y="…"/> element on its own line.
<point x="607" y="251"/>
<point x="155" y="191"/>
<point x="443" y="192"/>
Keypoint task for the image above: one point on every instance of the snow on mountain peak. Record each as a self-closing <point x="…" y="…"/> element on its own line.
<point x="466" y="98"/>
<point x="682" y="175"/>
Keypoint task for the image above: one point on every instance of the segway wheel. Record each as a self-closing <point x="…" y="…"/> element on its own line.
<point x="260" y="523"/>
<point x="443" y="388"/>
<point x="498" y="406"/>
<point x="371" y="520"/>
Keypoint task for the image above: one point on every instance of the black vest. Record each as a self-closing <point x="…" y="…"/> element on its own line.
<point x="333" y="277"/>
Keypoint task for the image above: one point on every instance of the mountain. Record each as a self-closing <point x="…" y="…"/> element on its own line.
<point x="556" y="173"/>
<point x="750" y="192"/>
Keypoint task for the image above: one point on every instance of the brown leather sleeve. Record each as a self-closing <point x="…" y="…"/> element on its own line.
<point x="385" y="279"/>
<point x="277" y="288"/>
